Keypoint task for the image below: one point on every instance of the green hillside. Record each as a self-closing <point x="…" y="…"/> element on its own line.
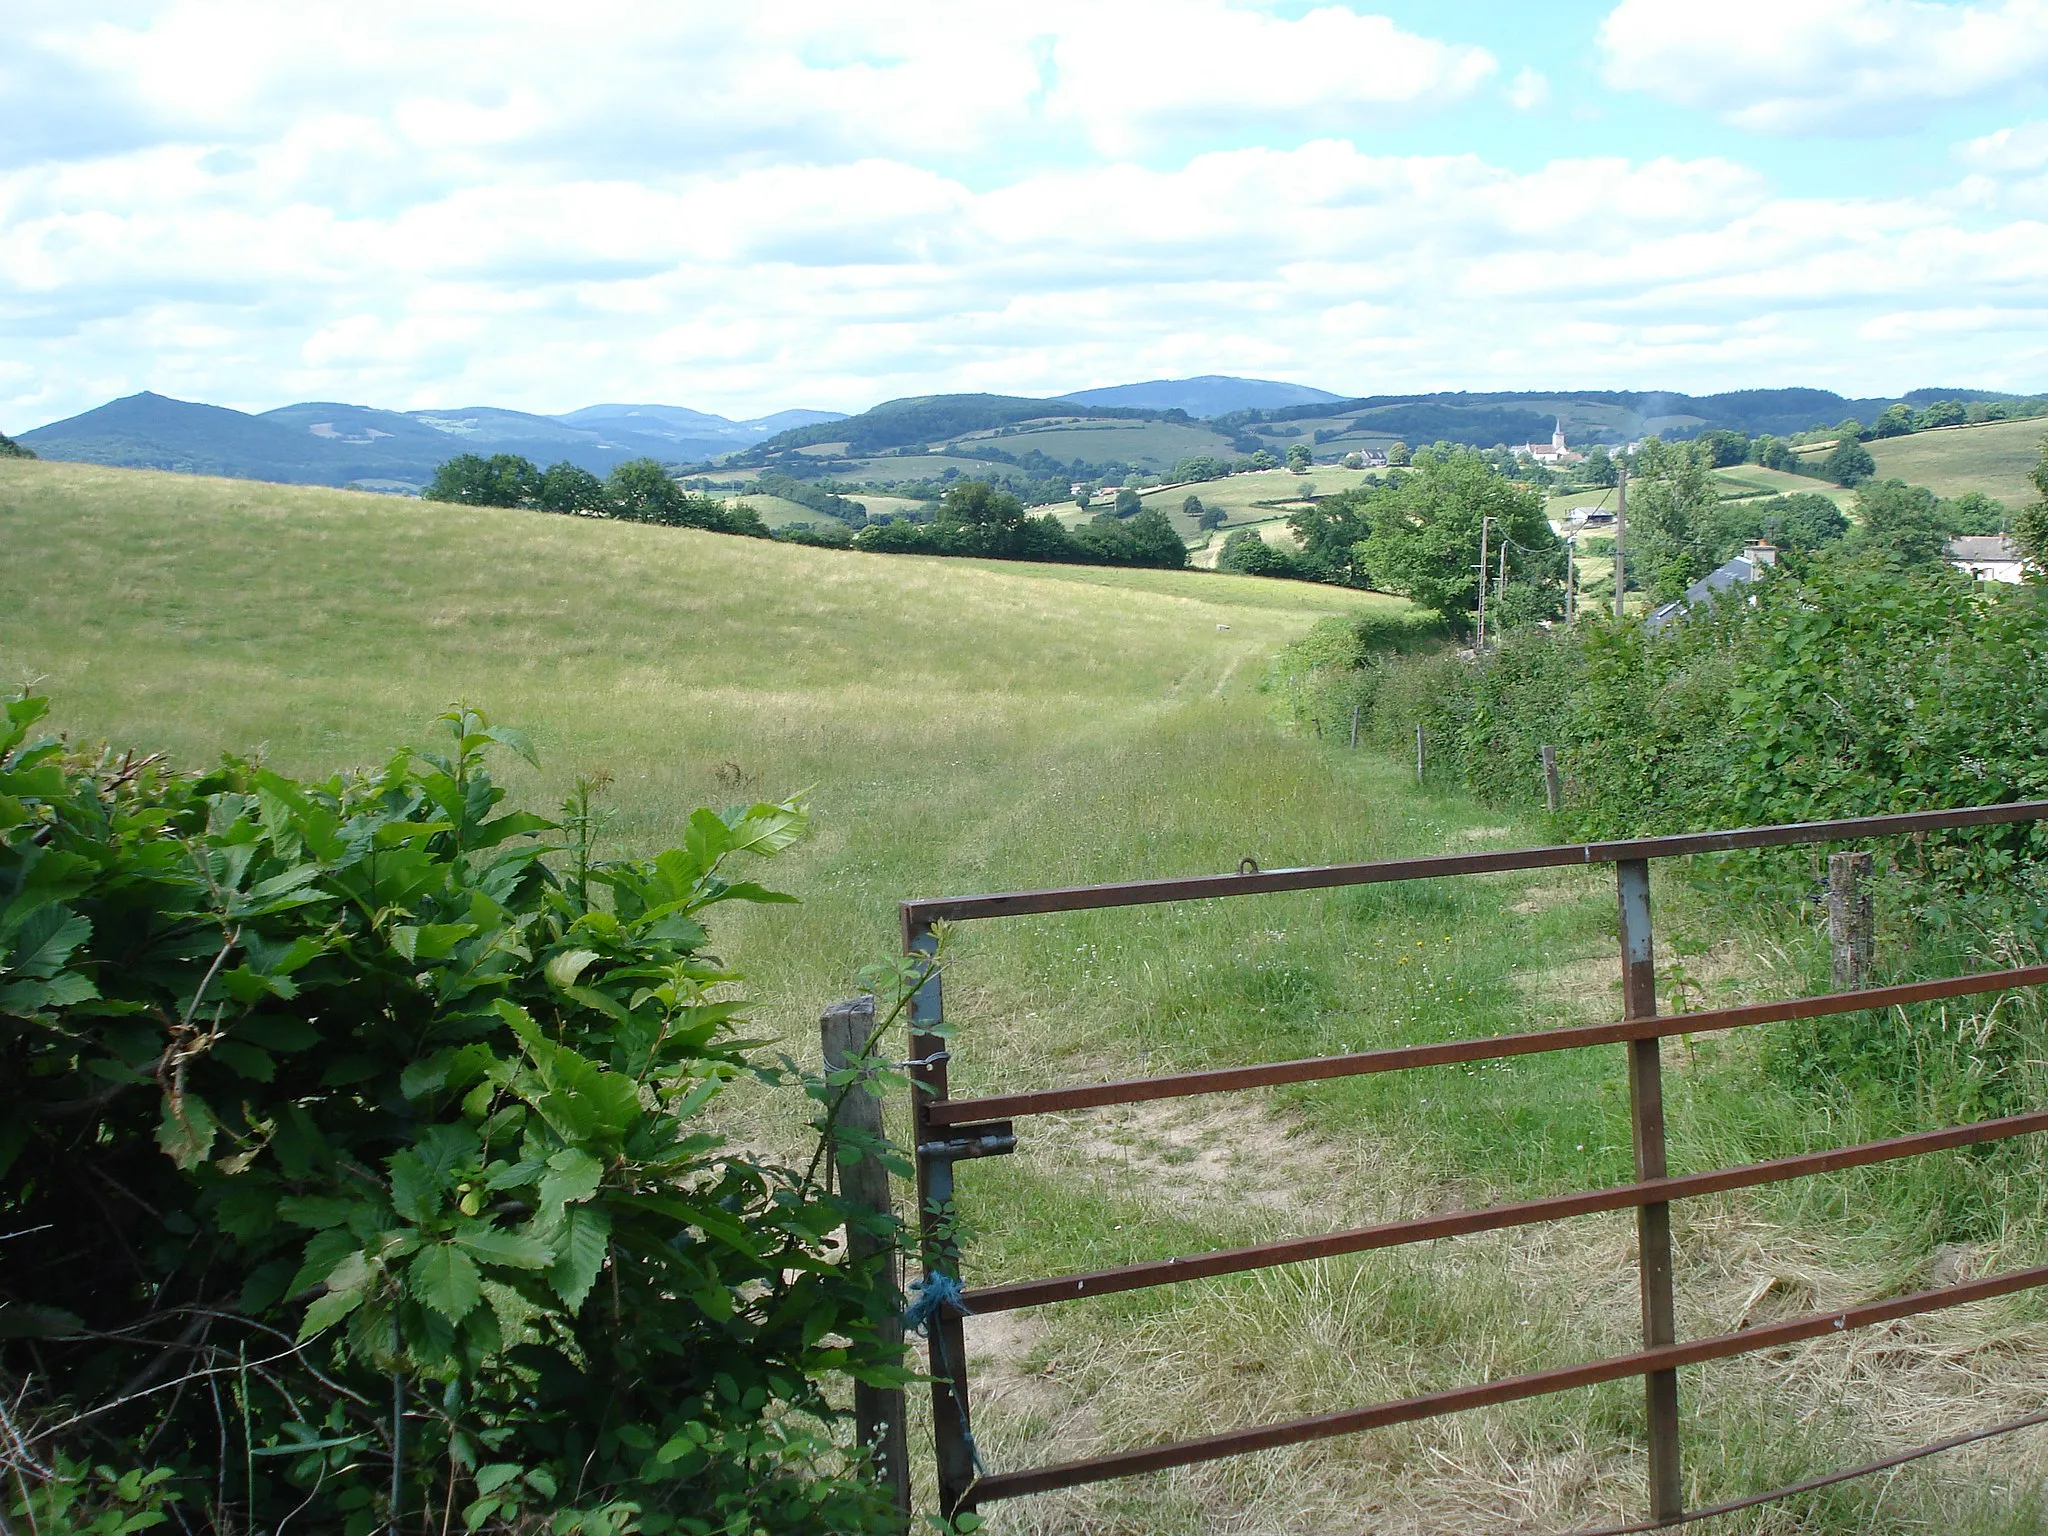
<point x="969" y="726"/>
<point x="1994" y="458"/>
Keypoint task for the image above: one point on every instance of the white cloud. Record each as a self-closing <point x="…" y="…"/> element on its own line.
<point x="1149" y="72"/>
<point x="750" y="289"/>
<point x="803" y="203"/>
<point x="1856" y="66"/>
<point x="2021" y="148"/>
<point x="1528" y="91"/>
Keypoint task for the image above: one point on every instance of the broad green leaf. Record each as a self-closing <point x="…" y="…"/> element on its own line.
<point x="580" y="1249"/>
<point x="186" y="1130"/>
<point x="564" y="968"/>
<point x="444" y="1278"/>
<point x="572" y="1176"/>
<point x="328" y="1310"/>
<point x="510" y="1250"/>
<point x="430" y="941"/>
<point x="415" y="1190"/>
<point x="316" y="1211"/>
<point x="45" y="940"/>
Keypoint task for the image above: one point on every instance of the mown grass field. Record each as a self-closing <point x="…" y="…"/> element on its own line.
<point x="1741" y="479"/>
<point x="1994" y="458"/>
<point x="969" y="726"/>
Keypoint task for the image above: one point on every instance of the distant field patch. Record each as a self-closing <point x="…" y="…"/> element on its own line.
<point x="1993" y="458"/>
<point x="1743" y="478"/>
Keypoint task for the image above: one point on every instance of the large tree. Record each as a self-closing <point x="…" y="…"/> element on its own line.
<point x="1849" y="462"/>
<point x="2030" y="523"/>
<point x="1672" y="497"/>
<point x="502" y="480"/>
<point x="1426" y="534"/>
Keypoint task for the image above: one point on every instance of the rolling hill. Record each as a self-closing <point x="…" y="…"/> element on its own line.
<point x="1995" y="458"/>
<point x="976" y="727"/>
<point x="1208" y="394"/>
<point x="915" y="442"/>
<point x="329" y="443"/>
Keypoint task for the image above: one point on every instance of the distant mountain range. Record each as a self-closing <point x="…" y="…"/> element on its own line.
<point x="1150" y="425"/>
<point x="326" y="443"/>
<point x="1208" y="394"/>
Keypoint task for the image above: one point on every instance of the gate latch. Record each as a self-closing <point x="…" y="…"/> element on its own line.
<point x="993" y="1139"/>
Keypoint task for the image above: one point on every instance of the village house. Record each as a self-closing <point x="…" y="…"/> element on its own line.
<point x="1993" y="557"/>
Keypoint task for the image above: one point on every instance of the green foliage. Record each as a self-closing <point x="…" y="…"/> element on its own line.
<point x="10" y="449"/>
<point x="2030" y="524"/>
<point x="980" y="519"/>
<point x="1857" y="688"/>
<point x="324" y="1094"/>
<point x="1903" y="523"/>
<point x="502" y="480"/>
<point x="1425" y="535"/>
<point x="1298" y="458"/>
<point x="1893" y="421"/>
<point x="637" y="491"/>
<point x="1721" y="448"/>
<point x="1672" y="497"/>
<point x="1773" y="453"/>
<point x="1246" y="553"/>
<point x="1127" y="502"/>
<point x="570" y="488"/>
<point x="1202" y="467"/>
<point x="1849" y="462"/>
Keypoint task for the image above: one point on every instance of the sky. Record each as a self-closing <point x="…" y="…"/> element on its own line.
<point x="749" y="207"/>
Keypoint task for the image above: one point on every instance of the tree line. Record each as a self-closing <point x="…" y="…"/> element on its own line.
<point x="974" y="517"/>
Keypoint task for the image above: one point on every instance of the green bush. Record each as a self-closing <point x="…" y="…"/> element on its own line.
<point x="356" y="1146"/>
<point x="1857" y="688"/>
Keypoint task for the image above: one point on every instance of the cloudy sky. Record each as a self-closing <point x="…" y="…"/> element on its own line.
<point x="744" y="207"/>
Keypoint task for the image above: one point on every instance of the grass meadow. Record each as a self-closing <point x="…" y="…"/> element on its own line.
<point x="968" y="726"/>
<point x="1993" y="457"/>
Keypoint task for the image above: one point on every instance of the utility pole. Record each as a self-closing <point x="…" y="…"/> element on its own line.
<point x="1620" y="536"/>
<point x="1482" y="581"/>
<point x="1571" y="577"/>
<point x="1501" y="588"/>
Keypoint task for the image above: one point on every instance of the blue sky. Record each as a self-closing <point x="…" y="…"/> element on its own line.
<point x="806" y="203"/>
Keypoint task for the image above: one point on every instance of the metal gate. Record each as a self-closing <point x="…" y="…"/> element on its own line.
<point x="948" y="1131"/>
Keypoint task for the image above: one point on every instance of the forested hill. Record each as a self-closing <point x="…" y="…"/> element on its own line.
<point x="920" y="419"/>
<point x="1516" y="416"/>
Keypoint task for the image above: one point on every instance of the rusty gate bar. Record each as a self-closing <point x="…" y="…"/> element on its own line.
<point x="940" y="1253"/>
<point x="1508" y="1389"/>
<point x="964" y="1484"/>
<point x="1653" y="1217"/>
<point x="1138" y="893"/>
<point x="1495" y="1218"/>
<point x="1400" y="1058"/>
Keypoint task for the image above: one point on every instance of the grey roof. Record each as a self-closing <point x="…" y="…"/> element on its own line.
<point x="1720" y="579"/>
<point x="1982" y="547"/>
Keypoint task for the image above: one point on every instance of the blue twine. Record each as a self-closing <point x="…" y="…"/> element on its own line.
<point x="930" y="1297"/>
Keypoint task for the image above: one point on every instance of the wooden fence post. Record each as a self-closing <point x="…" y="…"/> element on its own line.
<point x="1851" y="919"/>
<point x="1418" y="756"/>
<point x="877" y="1411"/>
<point x="1354" y="727"/>
<point x="1550" y="787"/>
<point x="1653" y="1221"/>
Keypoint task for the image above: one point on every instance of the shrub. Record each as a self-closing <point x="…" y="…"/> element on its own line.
<point x="355" y="1146"/>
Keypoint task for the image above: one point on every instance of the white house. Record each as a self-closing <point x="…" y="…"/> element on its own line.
<point x="1993" y="557"/>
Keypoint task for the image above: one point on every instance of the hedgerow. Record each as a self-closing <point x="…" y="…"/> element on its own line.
<point x="355" y="1169"/>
